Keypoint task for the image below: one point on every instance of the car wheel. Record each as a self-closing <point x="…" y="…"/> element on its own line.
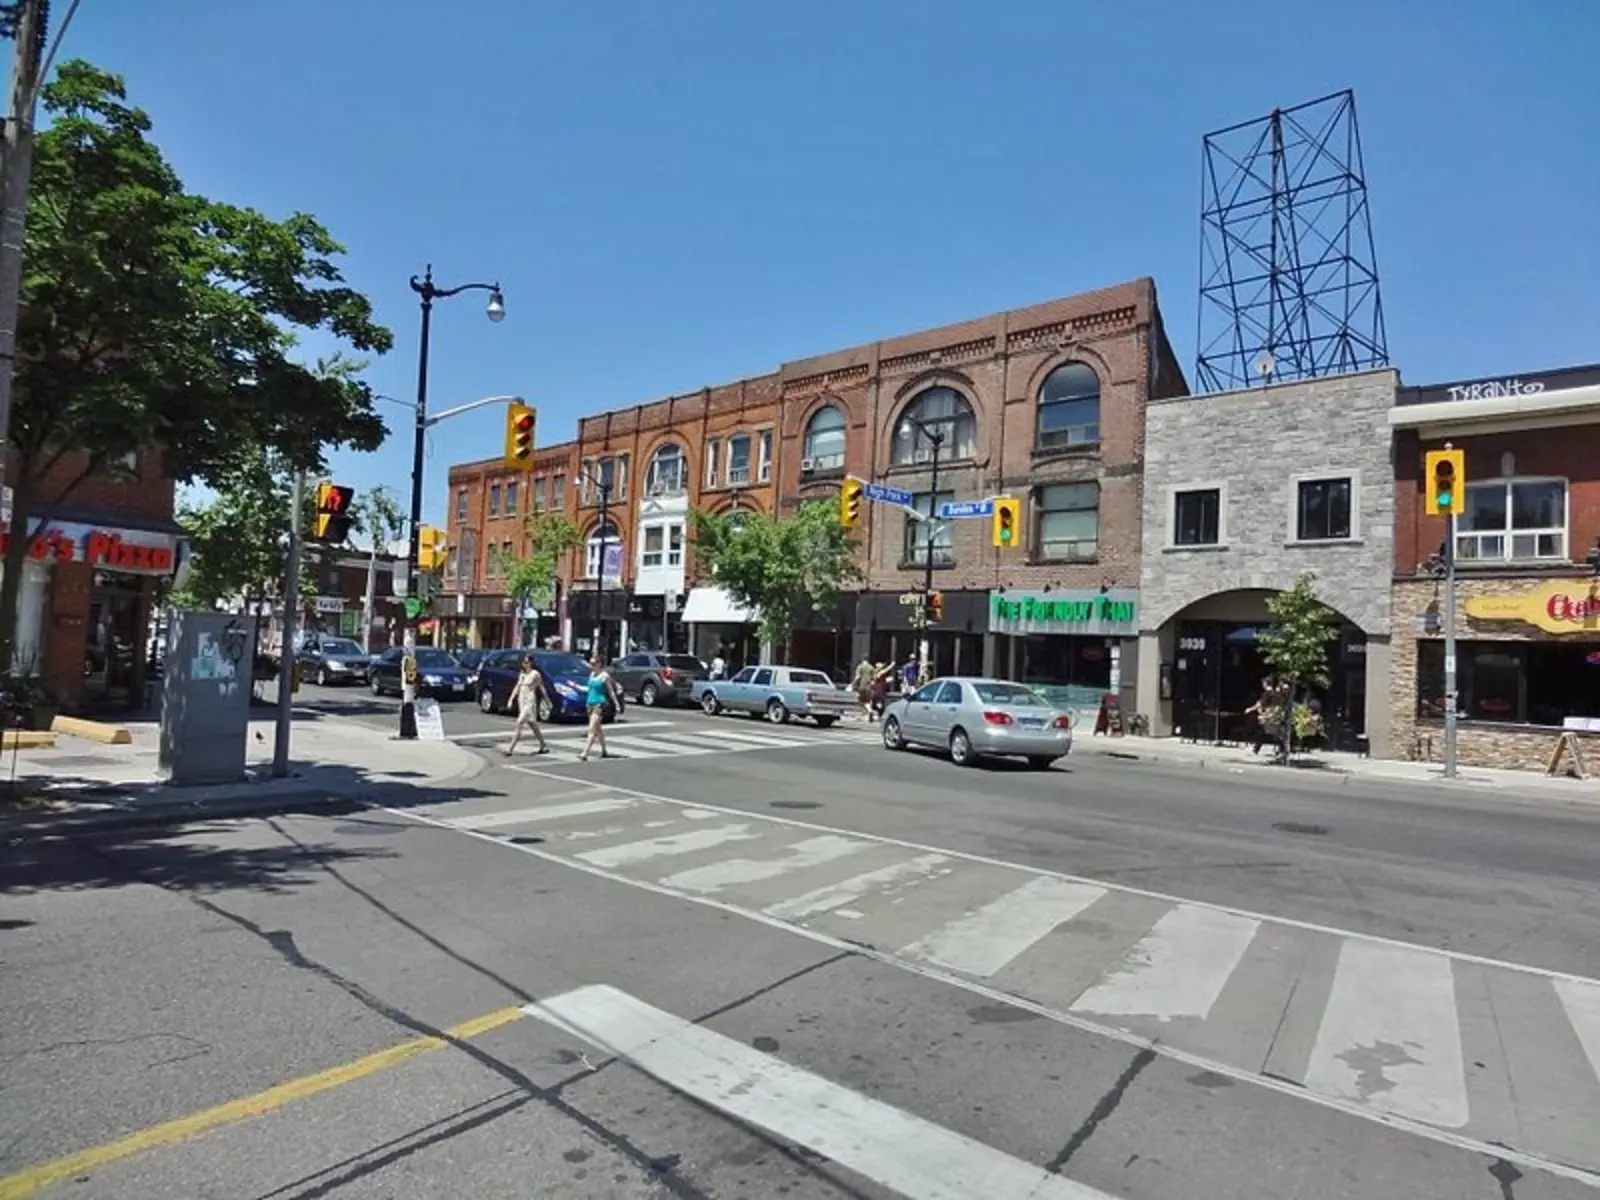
<point x="891" y="734"/>
<point x="372" y="682"/>
<point x="546" y="709"/>
<point x="648" y="695"/>
<point x="486" y="700"/>
<point x="709" y="704"/>
<point x="961" y="748"/>
<point x="1041" y="762"/>
<point x="322" y="676"/>
<point x="777" y="713"/>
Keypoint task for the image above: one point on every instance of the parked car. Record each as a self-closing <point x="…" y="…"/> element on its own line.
<point x="438" y="674"/>
<point x="778" y="693"/>
<point x="659" y="678"/>
<point x="566" y="678"/>
<point x="331" y="660"/>
<point x="471" y="660"/>
<point x="978" y="718"/>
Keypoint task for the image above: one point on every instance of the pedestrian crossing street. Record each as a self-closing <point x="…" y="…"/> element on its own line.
<point x="1490" y="1052"/>
<point x="635" y="741"/>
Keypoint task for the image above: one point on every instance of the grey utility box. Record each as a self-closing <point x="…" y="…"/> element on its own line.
<point x="205" y="709"/>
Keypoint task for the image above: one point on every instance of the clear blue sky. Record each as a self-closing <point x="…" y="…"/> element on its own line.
<point x="677" y="194"/>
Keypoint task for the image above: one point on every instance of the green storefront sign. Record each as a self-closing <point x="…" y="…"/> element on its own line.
<point x="1114" y="613"/>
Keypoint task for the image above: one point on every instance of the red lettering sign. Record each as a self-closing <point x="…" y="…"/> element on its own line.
<point x="100" y="548"/>
<point x="1562" y="607"/>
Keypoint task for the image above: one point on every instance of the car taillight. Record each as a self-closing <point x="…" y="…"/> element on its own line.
<point x="998" y="718"/>
<point x="1062" y="722"/>
<point x="666" y="674"/>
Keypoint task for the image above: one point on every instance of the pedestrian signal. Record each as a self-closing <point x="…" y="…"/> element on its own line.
<point x="332" y="521"/>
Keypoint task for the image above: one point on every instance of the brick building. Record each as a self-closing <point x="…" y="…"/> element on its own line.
<point x="486" y="527"/>
<point x="340" y="575"/>
<point x="97" y="563"/>
<point x="1528" y="601"/>
<point x="1045" y="402"/>
<point x="1244" y="492"/>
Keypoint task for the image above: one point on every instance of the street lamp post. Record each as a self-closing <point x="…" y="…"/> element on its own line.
<point x="427" y="292"/>
<point x="600" y="576"/>
<point x="935" y="435"/>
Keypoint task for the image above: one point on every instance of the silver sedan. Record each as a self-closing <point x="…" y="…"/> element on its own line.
<point x="977" y="718"/>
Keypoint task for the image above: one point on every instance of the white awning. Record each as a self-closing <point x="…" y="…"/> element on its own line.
<point x="713" y="606"/>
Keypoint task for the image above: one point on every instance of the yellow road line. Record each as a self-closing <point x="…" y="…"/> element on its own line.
<point x="27" y="1182"/>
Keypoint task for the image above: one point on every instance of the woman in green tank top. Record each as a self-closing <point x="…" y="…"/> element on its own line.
<point x="600" y="689"/>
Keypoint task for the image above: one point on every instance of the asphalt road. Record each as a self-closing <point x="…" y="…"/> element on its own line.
<point x="736" y="961"/>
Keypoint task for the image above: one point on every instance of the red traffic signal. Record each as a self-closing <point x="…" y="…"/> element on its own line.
<point x="332" y="523"/>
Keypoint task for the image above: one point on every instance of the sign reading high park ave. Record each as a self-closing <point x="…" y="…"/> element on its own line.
<point x="135" y="551"/>
<point x="1113" y="613"/>
<point x="1565" y="606"/>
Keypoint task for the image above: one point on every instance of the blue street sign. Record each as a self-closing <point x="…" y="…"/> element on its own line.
<point x="888" y="495"/>
<point x="952" y="509"/>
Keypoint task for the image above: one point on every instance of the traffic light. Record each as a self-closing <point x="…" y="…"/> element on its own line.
<point x="430" y="548"/>
<point x="519" y="435"/>
<point x="1445" y="473"/>
<point x="935" y="608"/>
<point x="850" y="503"/>
<point x="332" y="522"/>
<point x="1007" y="521"/>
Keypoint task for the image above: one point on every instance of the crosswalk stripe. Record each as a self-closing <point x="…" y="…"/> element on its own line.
<point x="893" y="1148"/>
<point x="535" y="813"/>
<point x="813" y="852"/>
<point x="847" y="891"/>
<point x="757" y="739"/>
<point x="1390" y="1036"/>
<point x="981" y="942"/>
<point x="649" y="747"/>
<point x="1582" y="1004"/>
<point x="1178" y="969"/>
<point x="630" y="853"/>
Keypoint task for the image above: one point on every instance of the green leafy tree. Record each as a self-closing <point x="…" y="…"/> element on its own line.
<point x="776" y="566"/>
<point x="531" y="579"/>
<point x="1296" y="648"/>
<point x="378" y="517"/>
<point x="152" y="316"/>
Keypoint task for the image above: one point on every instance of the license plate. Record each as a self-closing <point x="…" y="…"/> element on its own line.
<point x="1031" y="722"/>
<point x="458" y="687"/>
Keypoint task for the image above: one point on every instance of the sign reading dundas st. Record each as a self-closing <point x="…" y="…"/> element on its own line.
<point x="1097" y="614"/>
<point x="1567" y="606"/>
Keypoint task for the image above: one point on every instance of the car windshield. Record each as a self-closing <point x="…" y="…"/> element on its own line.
<point x="340" y="646"/>
<point x="810" y="677"/>
<point x="684" y="662"/>
<point x="562" y="664"/>
<point x="435" y="658"/>
<point x="1009" y="694"/>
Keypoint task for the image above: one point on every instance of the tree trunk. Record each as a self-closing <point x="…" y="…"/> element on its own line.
<point x="16" y="557"/>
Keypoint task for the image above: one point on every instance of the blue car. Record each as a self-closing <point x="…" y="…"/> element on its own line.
<point x="566" y="678"/>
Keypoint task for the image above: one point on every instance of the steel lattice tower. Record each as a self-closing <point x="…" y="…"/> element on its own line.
<point x="1287" y="263"/>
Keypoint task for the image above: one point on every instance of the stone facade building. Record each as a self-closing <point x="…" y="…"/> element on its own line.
<point x="1244" y="492"/>
<point x="1528" y="589"/>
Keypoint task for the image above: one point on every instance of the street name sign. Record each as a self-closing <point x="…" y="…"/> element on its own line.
<point x="952" y="510"/>
<point x="888" y="495"/>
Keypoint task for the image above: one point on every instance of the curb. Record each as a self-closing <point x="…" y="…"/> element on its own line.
<point x="28" y="739"/>
<point x="93" y="731"/>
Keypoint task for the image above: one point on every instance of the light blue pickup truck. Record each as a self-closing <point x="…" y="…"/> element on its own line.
<point x="778" y="693"/>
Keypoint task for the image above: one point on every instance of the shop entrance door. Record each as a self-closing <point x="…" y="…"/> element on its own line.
<point x="111" y="656"/>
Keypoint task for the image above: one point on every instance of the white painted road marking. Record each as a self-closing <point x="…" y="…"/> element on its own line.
<point x="667" y="845"/>
<point x="1390" y="1035"/>
<point x="1582" y="1002"/>
<point x="982" y="942"/>
<point x="835" y="896"/>
<point x="548" y="812"/>
<point x="893" y="1148"/>
<point x="810" y="853"/>
<point x="1178" y="969"/>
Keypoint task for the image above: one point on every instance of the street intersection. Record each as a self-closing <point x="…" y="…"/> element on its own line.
<point x="746" y="960"/>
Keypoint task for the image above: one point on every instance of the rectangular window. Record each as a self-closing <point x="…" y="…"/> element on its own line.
<point x="491" y="561"/>
<point x="1513" y="519"/>
<point x="674" y="545"/>
<point x="507" y="556"/>
<point x="654" y="538"/>
<point x="1523" y="683"/>
<point x="451" y="563"/>
<point x="558" y="492"/>
<point x="1069" y="521"/>
<point x="588" y="472"/>
<point x="461" y="505"/>
<point x="711" y="464"/>
<point x="511" y="498"/>
<point x="494" y="500"/>
<point x="620" y="479"/>
<point x="536" y="494"/>
<point x="1322" y="510"/>
<point x="739" y="460"/>
<point x="764" y="457"/>
<point x="916" y="535"/>
<point x="1197" y="517"/>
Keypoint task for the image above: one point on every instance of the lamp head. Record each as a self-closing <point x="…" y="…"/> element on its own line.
<point x="496" y="311"/>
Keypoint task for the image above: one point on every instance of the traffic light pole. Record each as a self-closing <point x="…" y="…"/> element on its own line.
<point x="291" y="615"/>
<point x="1450" y="645"/>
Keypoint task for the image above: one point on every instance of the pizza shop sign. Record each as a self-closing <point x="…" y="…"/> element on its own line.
<point x="135" y="551"/>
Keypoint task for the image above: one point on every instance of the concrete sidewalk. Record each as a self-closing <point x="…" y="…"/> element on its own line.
<point x="332" y="761"/>
<point x="1336" y="766"/>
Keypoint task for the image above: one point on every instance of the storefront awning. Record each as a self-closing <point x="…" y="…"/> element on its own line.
<point x="713" y="606"/>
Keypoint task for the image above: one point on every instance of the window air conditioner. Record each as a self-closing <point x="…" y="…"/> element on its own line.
<point x="807" y="465"/>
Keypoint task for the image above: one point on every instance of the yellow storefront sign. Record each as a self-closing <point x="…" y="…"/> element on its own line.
<point x="1568" y="606"/>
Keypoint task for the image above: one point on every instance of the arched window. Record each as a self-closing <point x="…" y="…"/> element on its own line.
<point x="824" y="440"/>
<point x="669" y="471"/>
<point x="604" y="534"/>
<point x="939" y="410"/>
<point x="1069" y="408"/>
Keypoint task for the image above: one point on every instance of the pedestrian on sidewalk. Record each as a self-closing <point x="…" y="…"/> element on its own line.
<point x="530" y="686"/>
<point x="601" y="689"/>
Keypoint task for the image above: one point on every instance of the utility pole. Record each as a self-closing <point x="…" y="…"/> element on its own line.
<point x="369" y="600"/>
<point x="1449" y="643"/>
<point x="291" y="614"/>
<point x="16" y="164"/>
